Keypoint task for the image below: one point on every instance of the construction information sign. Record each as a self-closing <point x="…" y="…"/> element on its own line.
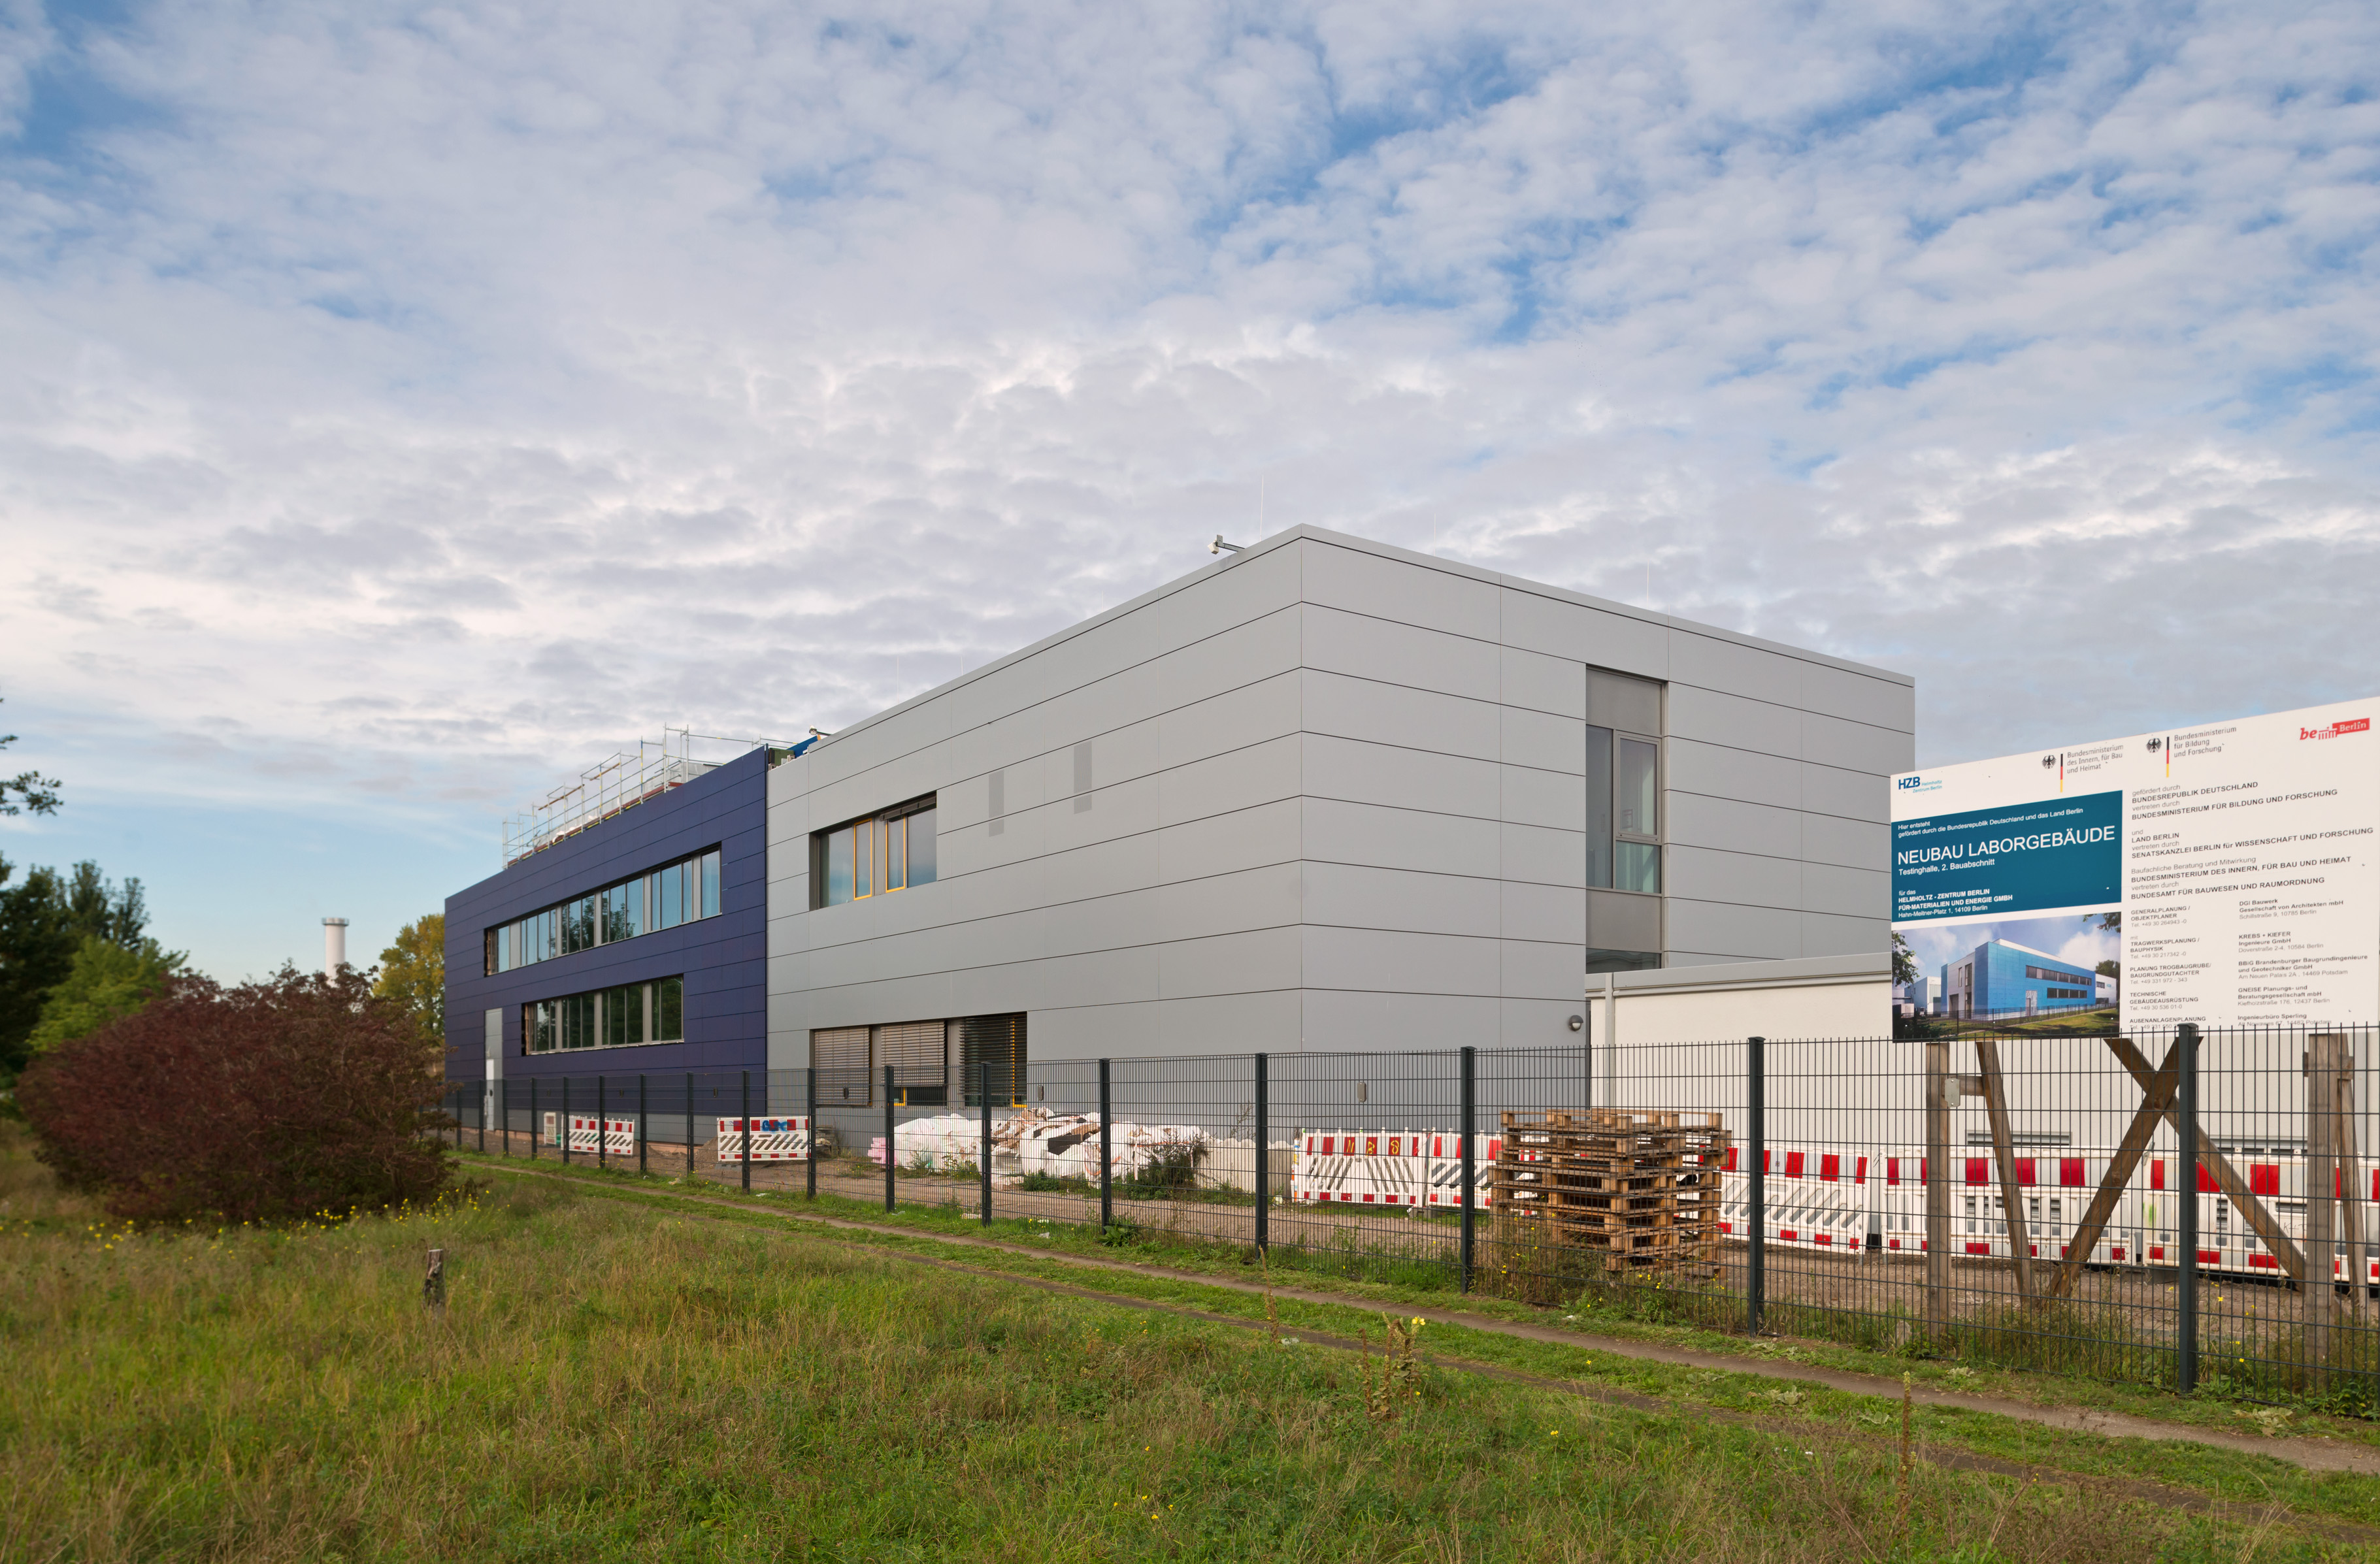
<point x="2227" y="874"/>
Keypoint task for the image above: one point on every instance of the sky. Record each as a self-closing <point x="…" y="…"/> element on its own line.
<point x="403" y="406"/>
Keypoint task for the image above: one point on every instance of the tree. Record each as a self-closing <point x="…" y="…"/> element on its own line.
<point x="271" y="1100"/>
<point x="1904" y="960"/>
<point x="106" y="980"/>
<point x="413" y="974"/>
<point x="43" y="921"/>
<point x="26" y="790"/>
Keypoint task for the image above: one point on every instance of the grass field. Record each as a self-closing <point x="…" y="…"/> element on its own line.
<point x="615" y="1381"/>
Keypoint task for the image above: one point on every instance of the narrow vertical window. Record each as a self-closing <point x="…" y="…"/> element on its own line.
<point x="710" y="885"/>
<point x="863" y="858"/>
<point x="1599" y="805"/>
<point x="669" y="1009"/>
<point x="896" y="855"/>
<point x="920" y="836"/>
<point x="838" y="867"/>
<point x="670" y="882"/>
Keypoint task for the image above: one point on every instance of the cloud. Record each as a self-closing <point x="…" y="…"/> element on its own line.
<point x="446" y="395"/>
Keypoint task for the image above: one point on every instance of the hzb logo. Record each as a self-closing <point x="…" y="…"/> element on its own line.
<point x="1909" y="782"/>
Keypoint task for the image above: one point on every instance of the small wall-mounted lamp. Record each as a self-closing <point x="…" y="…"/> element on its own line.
<point x="1578" y="1024"/>
<point x="1217" y="546"/>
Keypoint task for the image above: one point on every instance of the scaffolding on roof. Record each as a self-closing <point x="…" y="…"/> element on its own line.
<point x="617" y="782"/>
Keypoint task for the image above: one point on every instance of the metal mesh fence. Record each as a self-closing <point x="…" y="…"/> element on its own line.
<point x="2003" y="1194"/>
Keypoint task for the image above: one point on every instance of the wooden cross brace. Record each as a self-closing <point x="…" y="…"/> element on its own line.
<point x="2157" y="1089"/>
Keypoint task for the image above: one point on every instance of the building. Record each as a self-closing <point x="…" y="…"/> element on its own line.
<point x="1322" y="795"/>
<point x="2001" y="978"/>
<point x="627" y="931"/>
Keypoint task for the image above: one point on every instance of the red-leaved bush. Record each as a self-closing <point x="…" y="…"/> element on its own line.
<point x="275" y="1099"/>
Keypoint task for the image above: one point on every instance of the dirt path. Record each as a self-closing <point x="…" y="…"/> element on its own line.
<point x="2314" y="1454"/>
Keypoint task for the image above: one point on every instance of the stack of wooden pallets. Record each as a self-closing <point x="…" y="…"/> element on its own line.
<point x="1627" y="1189"/>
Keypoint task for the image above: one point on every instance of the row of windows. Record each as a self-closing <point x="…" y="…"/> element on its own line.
<point x="887" y="852"/>
<point x="851" y="1061"/>
<point x="1623" y="811"/>
<point x="659" y="899"/>
<point x="618" y="1017"/>
<point x="2051" y="975"/>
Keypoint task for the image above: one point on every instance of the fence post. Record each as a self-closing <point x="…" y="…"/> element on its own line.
<point x="456" y="1093"/>
<point x="2318" y="1292"/>
<point x="1468" y="1099"/>
<point x="745" y="1123"/>
<point x="640" y="1122"/>
<point x="1937" y="1189"/>
<point x="532" y="1118"/>
<point x="2186" y="1312"/>
<point x="689" y="1123"/>
<point x="891" y="1199"/>
<point x="503" y="1117"/>
<point x="484" y="1095"/>
<point x="1107" y="1155"/>
<point x="1263" y="1164"/>
<point x="565" y="1120"/>
<point x="1756" y="1083"/>
<point x="809" y="1110"/>
<point x="603" y="1152"/>
<point x="983" y="1171"/>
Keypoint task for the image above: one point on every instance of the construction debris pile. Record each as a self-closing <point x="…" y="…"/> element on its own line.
<point x="1610" y="1191"/>
<point x="1065" y="1145"/>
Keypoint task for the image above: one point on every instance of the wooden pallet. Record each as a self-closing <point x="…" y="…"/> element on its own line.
<point x="1624" y="1190"/>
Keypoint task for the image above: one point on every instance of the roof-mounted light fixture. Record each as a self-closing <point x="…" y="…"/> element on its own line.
<point x="1219" y="545"/>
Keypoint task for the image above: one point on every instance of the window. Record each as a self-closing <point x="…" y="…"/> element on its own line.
<point x="917" y="1051"/>
<point x="624" y="1016"/>
<point x="997" y="1041"/>
<point x="875" y="856"/>
<point x="659" y="899"/>
<point x="839" y="1054"/>
<point x="1623" y="811"/>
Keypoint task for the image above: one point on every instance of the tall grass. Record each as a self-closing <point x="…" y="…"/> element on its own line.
<point x="609" y="1384"/>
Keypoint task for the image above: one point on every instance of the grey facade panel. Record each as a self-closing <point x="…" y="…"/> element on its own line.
<point x="1704" y="874"/>
<point x="1542" y="740"/>
<point x="1831" y="839"/>
<point x="1856" y="745"/>
<point x="1398" y="715"/>
<point x="1359" y="896"/>
<point x="1365" y="646"/>
<point x="1596" y="637"/>
<point x="1362" y="581"/>
<point x="1851" y="892"/>
<point x="1858" y="698"/>
<point x="1736" y="722"/>
<point x="1735" y="930"/>
<point x="1546" y="914"/>
<point x="1857" y="795"/>
<point x="1735" y="825"/>
<point x="1345" y="832"/>
<point x="1535" y="681"/>
<point x="1400" y="778"/>
<point x="1619" y="921"/>
<point x="1544" y="798"/>
<point x="1722" y="772"/>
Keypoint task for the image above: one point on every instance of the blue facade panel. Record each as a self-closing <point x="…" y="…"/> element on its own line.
<point x="724" y="959"/>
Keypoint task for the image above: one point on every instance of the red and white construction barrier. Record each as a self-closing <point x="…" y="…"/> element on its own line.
<point x="1406" y="1168"/>
<point x="773" y="1140"/>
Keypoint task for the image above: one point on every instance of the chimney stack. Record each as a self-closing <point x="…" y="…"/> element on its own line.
<point x="334" y="945"/>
